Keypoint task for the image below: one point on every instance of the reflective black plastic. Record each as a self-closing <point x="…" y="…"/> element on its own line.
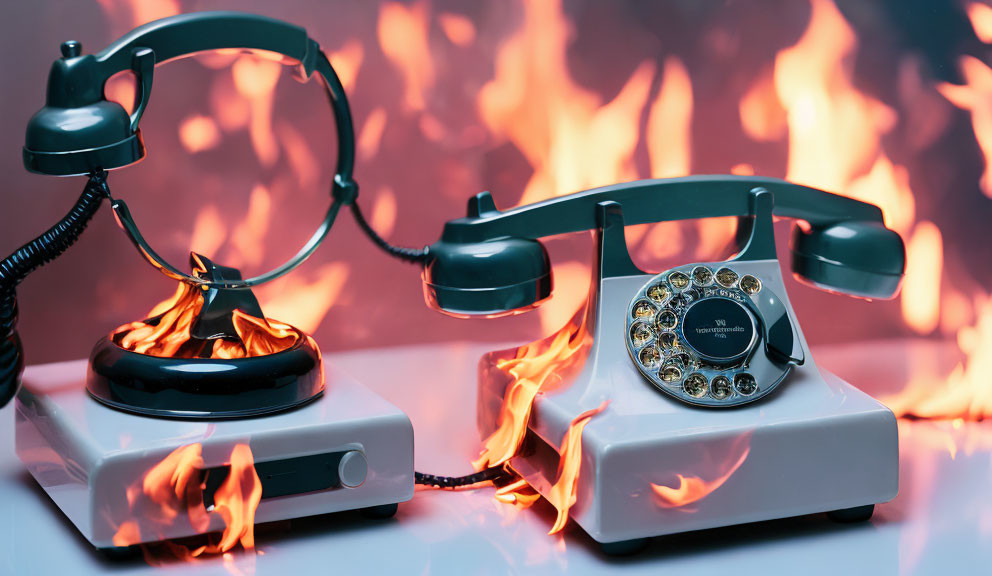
<point x="486" y="278"/>
<point x="205" y="388"/>
<point x="855" y="257"/>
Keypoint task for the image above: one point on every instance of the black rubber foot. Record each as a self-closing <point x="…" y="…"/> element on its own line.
<point x="120" y="552"/>
<point x="856" y="514"/>
<point x="380" y="512"/>
<point x="624" y="547"/>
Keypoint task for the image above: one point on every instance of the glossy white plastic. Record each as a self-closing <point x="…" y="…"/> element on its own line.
<point x="85" y="455"/>
<point x="815" y="444"/>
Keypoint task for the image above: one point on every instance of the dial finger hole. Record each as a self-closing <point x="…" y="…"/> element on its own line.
<point x="745" y="384"/>
<point x="678" y="280"/>
<point x="670" y="372"/>
<point x="750" y="284"/>
<point x="695" y="385"/>
<point x="667" y="340"/>
<point x="650" y="357"/>
<point x="642" y="309"/>
<point x="726" y="277"/>
<point x="641" y="333"/>
<point x="720" y="388"/>
<point x="667" y="320"/>
<point x="659" y="293"/>
<point x="702" y="276"/>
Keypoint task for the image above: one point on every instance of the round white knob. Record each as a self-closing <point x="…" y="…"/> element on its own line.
<point x="353" y="469"/>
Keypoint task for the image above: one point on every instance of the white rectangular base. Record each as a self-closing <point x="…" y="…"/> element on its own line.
<point x="817" y="445"/>
<point x="86" y="455"/>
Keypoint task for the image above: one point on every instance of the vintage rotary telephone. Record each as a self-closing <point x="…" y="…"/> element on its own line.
<point x="80" y="132"/>
<point x="711" y="334"/>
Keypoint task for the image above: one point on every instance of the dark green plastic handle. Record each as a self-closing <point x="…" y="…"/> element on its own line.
<point x="187" y="34"/>
<point x="170" y="38"/>
<point x="647" y="201"/>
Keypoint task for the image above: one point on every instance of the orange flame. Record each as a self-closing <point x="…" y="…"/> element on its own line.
<point x="174" y="486"/>
<point x="347" y="61"/>
<point x="166" y="331"/>
<point x="255" y="79"/>
<point x="692" y="489"/>
<point x="976" y="96"/>
<point x="567" y="135"/>
<point x="981" y="20"/>
<point x="920" y="294"/>
<point x="562" y="493"/>
<point x="198" y="133"/>
<point x="404" y="40"/>
<point x="966" y="392"/>
<point x="530" y="371"/>
<point x="459" y="29"/>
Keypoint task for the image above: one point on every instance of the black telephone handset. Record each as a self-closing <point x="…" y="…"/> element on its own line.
<point x="693" y="331"/>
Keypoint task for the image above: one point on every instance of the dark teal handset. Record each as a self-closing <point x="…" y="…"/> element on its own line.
<point x="711" y="334"/>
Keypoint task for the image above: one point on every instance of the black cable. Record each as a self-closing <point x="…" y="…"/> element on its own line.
<point x="408" y="254"/>
<point x="494" y="473"/>
<point x="24" y="261"/>
<point x="345" y="190"/>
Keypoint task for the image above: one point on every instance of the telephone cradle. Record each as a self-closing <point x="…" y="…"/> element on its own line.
<point x="683" y="445"/>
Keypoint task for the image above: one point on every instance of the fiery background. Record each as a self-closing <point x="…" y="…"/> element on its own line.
<point x="889" y="102"/>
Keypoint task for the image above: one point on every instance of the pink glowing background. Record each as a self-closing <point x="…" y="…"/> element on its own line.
<point x="528" y="100"/>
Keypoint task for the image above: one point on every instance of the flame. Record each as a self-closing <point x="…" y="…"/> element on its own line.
<point x="304" y="302"/>
<point x="981" y="20"/>
<point x="518" y="493"/>
<point x="570" y="139"/>
<point x="966" y="392"/>
<point x="236" y="501"/>
<point x="166" y="331"/>
<point x="459" y="29"/>
<point x="403" y="37"/>
<point x="257" y="337"/>
<point x="834" y="131"/>
<point x="198" y="133"/>
<point x="371" y="134"/>
<point x="530" y="372"/>
<point x="669" y="130"/>
<point x="172" y="329"/>
<point x="976" y="96"/>
<point x="127" y="14"/>
<point x="248" y="238"/>
<point x="255" y="79"/>
<point x="384" y="212"/>
<point x="301" y="158"/>
<point x="562" y="493"/>
<point x="347" y="61"/>
<point x="174" y="487"/>
<point x="920" y="295"/>
<point x="692" y="489"/>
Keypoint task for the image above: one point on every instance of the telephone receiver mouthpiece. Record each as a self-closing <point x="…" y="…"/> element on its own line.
<point x="79" y="131"/>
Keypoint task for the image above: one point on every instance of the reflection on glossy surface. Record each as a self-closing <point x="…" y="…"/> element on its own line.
<point x="940" y="523"/>
<point x="692" y="489"/>
<point x="172" y="491"/>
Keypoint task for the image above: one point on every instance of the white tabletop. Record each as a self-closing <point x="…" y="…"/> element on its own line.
<point x="940" y="523"/>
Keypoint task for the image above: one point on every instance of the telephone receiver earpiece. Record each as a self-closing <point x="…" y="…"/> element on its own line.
<point x="859" y="258"/>
<point x="491" y="263"/>
<point x="79" y="131"/>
